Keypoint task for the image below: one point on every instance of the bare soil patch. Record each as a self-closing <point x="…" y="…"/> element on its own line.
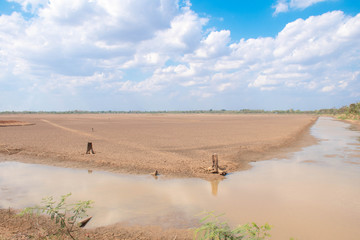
<point x="177" y="145"/>
<point x="12" y="123"/>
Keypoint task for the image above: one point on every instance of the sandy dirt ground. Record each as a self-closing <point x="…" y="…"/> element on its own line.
<point x="176" y="145"/>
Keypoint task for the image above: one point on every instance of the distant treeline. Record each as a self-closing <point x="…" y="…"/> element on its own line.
<point x="241" y="111"/>
<point x="352" y="109"/>
<point x="350" y="112"/>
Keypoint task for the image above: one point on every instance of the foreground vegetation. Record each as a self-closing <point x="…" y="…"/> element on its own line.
<point x="212" y="228"/>
<point x="66" y="219"/>
<point x="65" y="215"/>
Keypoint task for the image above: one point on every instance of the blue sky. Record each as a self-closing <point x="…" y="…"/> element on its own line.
<point x="178" y="55"/>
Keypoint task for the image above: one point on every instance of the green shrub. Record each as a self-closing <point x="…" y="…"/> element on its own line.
<point x="213" y="229"/>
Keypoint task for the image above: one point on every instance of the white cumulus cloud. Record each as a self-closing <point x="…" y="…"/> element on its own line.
<point x="311" y="54"/>
<point x="286" y="5"/>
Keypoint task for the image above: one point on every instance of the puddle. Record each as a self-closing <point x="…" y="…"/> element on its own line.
<point x="309" y="196"/>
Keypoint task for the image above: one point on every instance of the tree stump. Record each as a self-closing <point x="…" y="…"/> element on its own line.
<point x="90" y="148"/>
<point x="215" y="161"/>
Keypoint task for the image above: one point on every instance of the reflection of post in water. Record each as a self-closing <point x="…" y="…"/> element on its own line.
<point x="214" y="186"/>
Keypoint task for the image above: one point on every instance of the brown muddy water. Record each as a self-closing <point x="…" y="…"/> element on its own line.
<point x="314" y="194"/>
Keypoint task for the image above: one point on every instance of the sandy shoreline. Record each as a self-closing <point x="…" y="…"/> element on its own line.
<point x="355" y="124"/>
<point x="177" y="145"/>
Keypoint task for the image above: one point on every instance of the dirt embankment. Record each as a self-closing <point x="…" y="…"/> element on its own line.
<point x="177" y="145"/>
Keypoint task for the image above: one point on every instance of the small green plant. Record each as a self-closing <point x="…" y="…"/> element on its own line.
<point x="213" y="229"/>
<point x="64" y="214"/>
<point x="342" y="117"/>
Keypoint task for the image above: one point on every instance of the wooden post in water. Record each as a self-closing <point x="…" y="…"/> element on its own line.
<point x="90" y="148"/>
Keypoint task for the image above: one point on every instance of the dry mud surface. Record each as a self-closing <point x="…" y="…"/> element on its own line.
<point x="177" y="145"/>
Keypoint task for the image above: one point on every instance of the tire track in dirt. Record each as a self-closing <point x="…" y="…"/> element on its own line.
<point x="129" y="145"/>
<point x="71" y="130"/>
